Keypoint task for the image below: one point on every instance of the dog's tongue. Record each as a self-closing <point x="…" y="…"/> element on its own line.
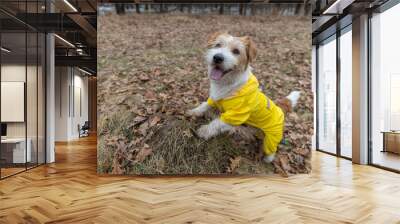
<point x="216" y="74"/>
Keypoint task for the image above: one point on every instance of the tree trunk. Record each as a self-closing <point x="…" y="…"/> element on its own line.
<point x="137" y="7"/>
<point x="162" y="8"/>
<point x="241" y="9"/>
<point x="120" y="8"/>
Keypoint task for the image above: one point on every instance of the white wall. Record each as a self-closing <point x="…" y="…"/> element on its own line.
<point x="70" y="83"/>
<point x="33" y="126"/>
<point x="14" y="72"/>
<point x="79" y="117"/>
<point x="61" y="103"/>
<point x="50" y="95"/>
<point x="17" y="72"/>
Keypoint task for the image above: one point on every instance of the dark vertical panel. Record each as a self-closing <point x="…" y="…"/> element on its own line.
<point x="338" y="72"/>
<point x="369" y="78"/>
<point x="73" y="91"/>
<point x="316" y="96"/>
<point x="26" y="79"/>
<point x="1" y="165"/>
<point x="45" y="89"/>
<point x="37" y="91"/>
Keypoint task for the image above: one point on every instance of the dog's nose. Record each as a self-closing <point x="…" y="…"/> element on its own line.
<point x="218" y="58"/>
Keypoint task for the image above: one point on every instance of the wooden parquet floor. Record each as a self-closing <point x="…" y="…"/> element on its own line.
<point x="70" y="191"/>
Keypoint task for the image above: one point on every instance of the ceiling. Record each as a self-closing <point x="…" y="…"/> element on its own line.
<point x="203" y="1"/>
<point x="74" y="22"/>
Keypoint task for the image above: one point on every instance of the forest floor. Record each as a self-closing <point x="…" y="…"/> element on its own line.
<point x="151" y="70"/>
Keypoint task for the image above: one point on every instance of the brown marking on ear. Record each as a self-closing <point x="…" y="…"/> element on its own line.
<point x="251" y="50"/>
<point x="213" y="37"/>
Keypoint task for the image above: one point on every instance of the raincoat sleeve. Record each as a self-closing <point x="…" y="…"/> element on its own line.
<point x="210" y="102"/>
<point x="237" y="114"/>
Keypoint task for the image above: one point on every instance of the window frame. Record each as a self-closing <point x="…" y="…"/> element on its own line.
<point x="339" y="32"/>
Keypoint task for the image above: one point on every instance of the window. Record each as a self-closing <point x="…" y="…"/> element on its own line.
<point x="346" y="92"/>
<point x="385" y="89"/>
<point x="22" y="77"/>
<point x="326" y="101"/>
<point x="334" y="137"/>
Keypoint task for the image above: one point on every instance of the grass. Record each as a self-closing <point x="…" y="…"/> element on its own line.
<point x="177" y="150"/>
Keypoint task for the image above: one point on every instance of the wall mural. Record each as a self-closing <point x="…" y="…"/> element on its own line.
<point x="182" y="92"/>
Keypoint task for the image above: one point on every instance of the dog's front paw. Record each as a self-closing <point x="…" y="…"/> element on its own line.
<point x="199" y="111"/>
<point x="194" y="112"/>
<point x="204" y="132"/>
<point x="269" y="158"/>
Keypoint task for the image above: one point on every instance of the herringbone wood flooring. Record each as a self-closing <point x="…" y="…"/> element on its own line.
<point x="69" y="191"/>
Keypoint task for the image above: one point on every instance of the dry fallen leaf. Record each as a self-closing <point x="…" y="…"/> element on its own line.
<point x="139" y="119"/>
<point x="154" y="121"/>
<point x="234" y="164"/>
<point x="143" y="153"/>
<point x="144" y="77"/>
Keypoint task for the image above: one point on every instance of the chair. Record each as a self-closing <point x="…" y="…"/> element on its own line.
<point x="84" y="130"/>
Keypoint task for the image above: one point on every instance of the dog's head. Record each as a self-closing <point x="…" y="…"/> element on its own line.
<point x="228" y="56"/>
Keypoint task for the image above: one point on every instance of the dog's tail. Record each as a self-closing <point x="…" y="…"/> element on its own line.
<point x="288" y="103"/>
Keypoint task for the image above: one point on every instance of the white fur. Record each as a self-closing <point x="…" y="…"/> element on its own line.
<point x="223" y="88"/>
<point x="269" y="158"/>
<point x="214" y="128"/>
<point x="229" y="59"/>
<point x="294" y="97"/>
<point x="200" y="110"/>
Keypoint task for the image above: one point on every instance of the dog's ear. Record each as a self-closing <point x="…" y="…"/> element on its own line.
<point x="212" y="37"/>
<point x="251" y="49"/>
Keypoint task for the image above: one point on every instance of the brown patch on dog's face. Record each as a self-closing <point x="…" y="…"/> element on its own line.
<point x="212" y="38"/>
<point x="227" y="54"/>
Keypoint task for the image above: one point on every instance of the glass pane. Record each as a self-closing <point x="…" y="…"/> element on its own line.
<point x="31" y="97"/>
<point x="327" y="96"/>
<point x="41" y="98"/>
<point x="13" y="87"/>
<point x="31" y="86"/>
<point x="386" y="89"/>
<point x="346" y="94"/>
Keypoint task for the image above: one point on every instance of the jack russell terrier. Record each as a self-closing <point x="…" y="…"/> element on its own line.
<point x="234" y="91"/>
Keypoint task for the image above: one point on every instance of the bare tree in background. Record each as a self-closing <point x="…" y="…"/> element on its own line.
<point x="137" y="7"/>
<point x="241" y="9"/>
<point x="120" y="8"/>
<point x="253" y="9"/>
<point x="190" y="8"/>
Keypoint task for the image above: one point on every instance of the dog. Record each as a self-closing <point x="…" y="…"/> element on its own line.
<point x="234" y="91"/>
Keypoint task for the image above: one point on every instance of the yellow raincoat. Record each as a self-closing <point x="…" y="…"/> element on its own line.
<point x="250" y="106"/>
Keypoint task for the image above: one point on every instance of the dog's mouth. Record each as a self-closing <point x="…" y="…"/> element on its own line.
<point x="217" y="73"/>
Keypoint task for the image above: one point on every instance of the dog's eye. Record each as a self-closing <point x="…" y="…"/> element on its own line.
<point x="217" y="45"/>
<point x="235" y="51"/>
